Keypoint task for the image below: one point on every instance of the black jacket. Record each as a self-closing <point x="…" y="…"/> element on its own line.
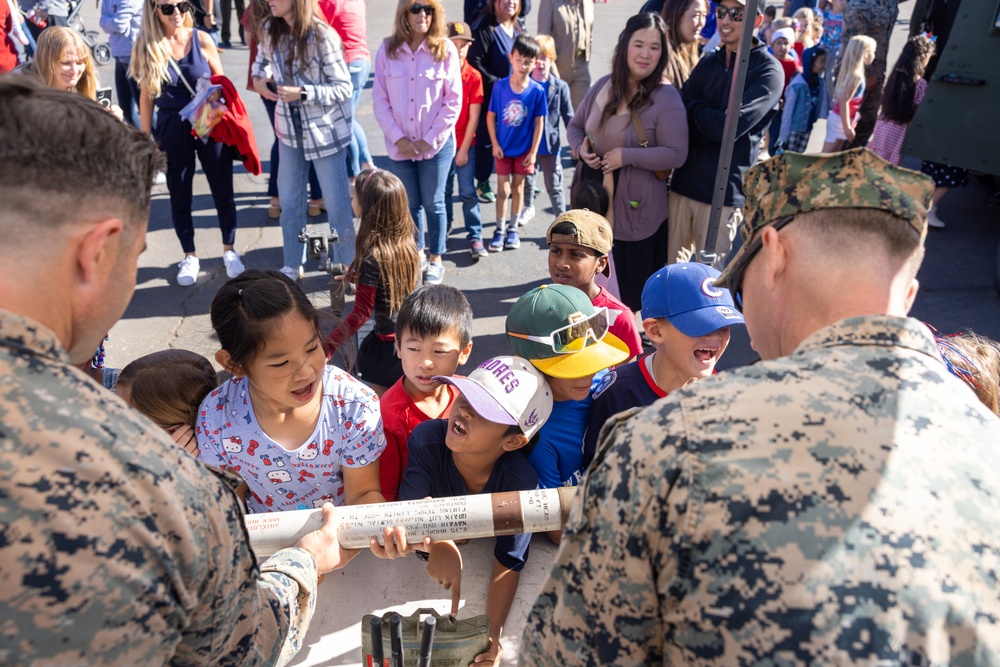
<point x="474" y="9"/>
<point x="706" y="96"/>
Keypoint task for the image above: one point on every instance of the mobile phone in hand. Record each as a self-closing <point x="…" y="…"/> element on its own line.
<point x="104" y="97"/>
<point x="272" y="86"/>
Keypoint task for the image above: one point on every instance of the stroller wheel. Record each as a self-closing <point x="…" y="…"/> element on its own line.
<point x="102" y="54"/>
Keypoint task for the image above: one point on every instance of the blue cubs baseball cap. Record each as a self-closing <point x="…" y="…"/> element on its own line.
<point x="686" y="295"/>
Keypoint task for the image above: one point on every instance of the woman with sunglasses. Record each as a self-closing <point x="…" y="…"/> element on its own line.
<point x="417" y="96"/>
<point x="300" y="66"/>
<point x="168" y="59"/>
<point x="632" y="128"/>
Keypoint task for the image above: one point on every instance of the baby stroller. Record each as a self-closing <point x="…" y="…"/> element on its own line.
<point x="100" y="50"/>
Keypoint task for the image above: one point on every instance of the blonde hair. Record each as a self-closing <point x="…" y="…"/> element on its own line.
<point x="53" y="44"/>
<point x="807" y="21"/>
<point x="547" y="46"/>
<point x="852" y="66"/>
<point x="975" y="360"/>
<point x="151" y="54"/>
<point x="436" y="36"/>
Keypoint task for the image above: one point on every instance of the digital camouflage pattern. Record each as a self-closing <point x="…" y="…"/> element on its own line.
<point x="116" y="546"/>
<point x="837" y="506"/>
<point x="793" y="183"/>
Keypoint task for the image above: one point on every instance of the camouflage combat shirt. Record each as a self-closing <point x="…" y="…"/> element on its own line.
<point x="840" y="505"/>
<point x="116" y="546"/>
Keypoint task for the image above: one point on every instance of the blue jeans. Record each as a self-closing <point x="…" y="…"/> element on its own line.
<point x="272" y="177"/>
<point x="332" y="174"/>
<point x="467" y="193"/>
<point x="359" y="153"/>
<point x="424" y="181"/>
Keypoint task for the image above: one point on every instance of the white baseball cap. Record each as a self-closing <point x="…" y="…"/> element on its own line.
<point x="507" y="390"/>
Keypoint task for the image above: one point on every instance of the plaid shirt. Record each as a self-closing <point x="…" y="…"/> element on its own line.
<point x="326" y="114"/>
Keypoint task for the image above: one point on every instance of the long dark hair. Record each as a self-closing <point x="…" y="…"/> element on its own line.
<point x="901" y="86"/>
<point x="619" y="67"/>
<point x="386" y="234"/>
<point x="683" y="56"/>
<point x="246" y="309"/>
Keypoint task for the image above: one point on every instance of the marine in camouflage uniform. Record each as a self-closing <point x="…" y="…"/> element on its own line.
<point x="117" y="548"/>
<point x="836" y="505"/>
<point x="875" y="18"/>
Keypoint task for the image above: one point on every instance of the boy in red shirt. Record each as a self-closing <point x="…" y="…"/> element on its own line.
<point x="579" y="248"/>
<point x="464" y="164"/>
<point x="433" y="338"/>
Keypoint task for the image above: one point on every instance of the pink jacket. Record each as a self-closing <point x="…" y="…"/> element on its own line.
<point x="417" y="97"/>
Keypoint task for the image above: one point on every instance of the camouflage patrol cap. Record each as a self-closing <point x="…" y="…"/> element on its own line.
<point x="792" y="183"/>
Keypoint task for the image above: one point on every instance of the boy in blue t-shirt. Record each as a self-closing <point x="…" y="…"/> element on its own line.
<point x="499" y="408"/>
<point x="687" y="319"/>
<point x="515" y="120"/>
<point x="549" y="160"/>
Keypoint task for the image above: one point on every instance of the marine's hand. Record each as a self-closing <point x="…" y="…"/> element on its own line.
<point x="324" y="545"/>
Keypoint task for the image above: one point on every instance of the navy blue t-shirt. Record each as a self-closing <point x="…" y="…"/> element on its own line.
<point x="430" y="471"/>
<point x="622" y="389"/>
<point x="516" y="114"/>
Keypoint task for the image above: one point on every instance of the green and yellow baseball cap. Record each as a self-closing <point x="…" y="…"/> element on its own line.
<point x="562" y="333"/>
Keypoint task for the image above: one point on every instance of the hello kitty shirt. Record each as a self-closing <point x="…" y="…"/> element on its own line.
<point x="347" y="435"/>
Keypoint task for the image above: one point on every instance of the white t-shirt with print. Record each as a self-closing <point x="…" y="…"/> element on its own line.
<point x="347" y="435"/>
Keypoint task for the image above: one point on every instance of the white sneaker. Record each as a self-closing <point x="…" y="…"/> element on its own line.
<point x="292" y="273"/>
<point x="234" y="265"/>
<point x="187" y="274"/>
<point x="933" y="220"/>
<point x="160" y="178"/>
<point x="527" y="215"/>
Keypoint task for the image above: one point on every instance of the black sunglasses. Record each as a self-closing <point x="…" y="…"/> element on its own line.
<point x="426" y="9"/>
<point x="739" y="266"/>
<point x="182" y="7"/>
<point x="735" y="13"/>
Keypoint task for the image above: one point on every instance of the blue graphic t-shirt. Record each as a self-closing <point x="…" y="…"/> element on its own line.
<point x="347" y="435"/>
<point x="516" y="114"/>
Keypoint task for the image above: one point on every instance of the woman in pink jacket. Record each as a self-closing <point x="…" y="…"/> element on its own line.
<point x="417" y="95"/>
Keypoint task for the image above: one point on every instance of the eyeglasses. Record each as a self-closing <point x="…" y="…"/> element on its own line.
<point x="735" y="13"/>
<point x="573" y="337"/>
<point x="737" y="269"/>
<point x="168" y="9"/>
<point x="426" y="9"/>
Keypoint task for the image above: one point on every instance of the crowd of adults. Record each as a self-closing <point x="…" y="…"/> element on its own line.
<point x="833" y="503"/>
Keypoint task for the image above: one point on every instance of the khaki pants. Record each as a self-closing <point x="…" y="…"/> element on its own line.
<point x="688" y="225"/>
<point x="577" y="78"/>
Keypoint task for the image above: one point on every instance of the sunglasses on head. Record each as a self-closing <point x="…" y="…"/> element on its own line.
<point x="168" y="9"/>
<point x="426" y="9"/>
<point x="573" y="337"/>
<point x="735" y="13"/>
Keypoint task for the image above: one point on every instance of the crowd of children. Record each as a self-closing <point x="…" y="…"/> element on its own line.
<point x="403" y="424"/>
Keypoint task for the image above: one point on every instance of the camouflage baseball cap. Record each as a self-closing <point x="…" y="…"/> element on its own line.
<point x="792" y="183"/>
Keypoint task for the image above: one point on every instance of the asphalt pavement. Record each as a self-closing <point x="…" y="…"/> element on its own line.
<point x="958" y="288"/>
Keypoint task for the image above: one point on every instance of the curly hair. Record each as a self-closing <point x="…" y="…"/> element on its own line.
<point x="901" y="86"/>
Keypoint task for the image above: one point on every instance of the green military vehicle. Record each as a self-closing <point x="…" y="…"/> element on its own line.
<point x="958" y="123"/>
